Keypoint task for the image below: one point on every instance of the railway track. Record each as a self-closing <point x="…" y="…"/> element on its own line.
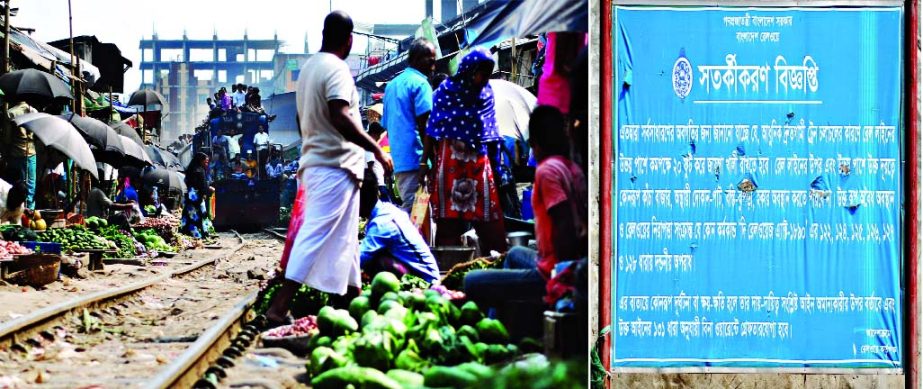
<point x="197" y="354"/>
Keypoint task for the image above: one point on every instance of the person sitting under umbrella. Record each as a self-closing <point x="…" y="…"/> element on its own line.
<point x="99" y="205"/>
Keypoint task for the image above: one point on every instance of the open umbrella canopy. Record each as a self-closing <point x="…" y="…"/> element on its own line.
<point x="96" y="133"/>
<point x="59" y="134"/>
<point x="513" y="105"/>
<point x="146" y="97"/>
<point x="135" y="151"/>
<point x="163" y="157"/>
<point x="163" y="178"/>
<point x="127" y="131"/>
<point x="29" y="84"/>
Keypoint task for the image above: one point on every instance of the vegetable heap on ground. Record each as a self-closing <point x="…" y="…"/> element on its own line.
<point x="77" y="238"/>
<point x="123" y="240"/>
<point x="152" y="241"/>
<point x="306" y="301"/>
<point x="393" y="338"/>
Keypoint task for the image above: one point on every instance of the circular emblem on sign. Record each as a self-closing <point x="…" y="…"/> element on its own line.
<point x="682" y="77"/>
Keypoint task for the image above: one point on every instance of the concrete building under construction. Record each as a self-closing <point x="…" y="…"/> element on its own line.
<point x="187" y="71"/>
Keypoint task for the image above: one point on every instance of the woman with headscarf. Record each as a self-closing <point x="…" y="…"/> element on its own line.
<point x="463" y="123"/>
<point x="195" y="220"/>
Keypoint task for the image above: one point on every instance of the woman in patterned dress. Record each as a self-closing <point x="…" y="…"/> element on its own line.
<point x="463" y="124"/>
<point x="195" y="221"/>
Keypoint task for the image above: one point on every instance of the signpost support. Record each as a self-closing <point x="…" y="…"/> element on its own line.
<point x="912" y="136"/>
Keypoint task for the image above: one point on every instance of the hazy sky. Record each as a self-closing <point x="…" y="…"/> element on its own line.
<point x="125" y="22"/>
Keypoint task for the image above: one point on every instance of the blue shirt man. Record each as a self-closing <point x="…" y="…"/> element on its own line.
<point x="391" y="236"/>
<point x="407" y="102"/>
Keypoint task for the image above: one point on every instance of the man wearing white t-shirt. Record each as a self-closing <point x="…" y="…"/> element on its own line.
<point x="324" y="254"/>
<point x="239" y="97"/>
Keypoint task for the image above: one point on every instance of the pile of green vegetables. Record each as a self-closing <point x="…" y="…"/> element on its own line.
<point x="76" y="238"/>
<point x="17" y="233"/>
<point x="122" y="239"/>
<point x="95" y="223"/>
<point x="152" y="241"/>
<point x="393" y="338"/>
<point x="306" y="301"/>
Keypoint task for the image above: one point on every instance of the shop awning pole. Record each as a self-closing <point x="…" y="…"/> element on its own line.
<point x="5" y="66"/>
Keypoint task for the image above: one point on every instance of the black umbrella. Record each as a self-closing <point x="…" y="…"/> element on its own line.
<point x="102" y="137"/>
<point x="127" y="131"/>
<point x="146" y="97"/>
<point x="134" y="152"/>
<point x="163" y="178"/>
<point x="57" y="133"/>
<point x="27" y="84"/>
<point x="163" y="157"/>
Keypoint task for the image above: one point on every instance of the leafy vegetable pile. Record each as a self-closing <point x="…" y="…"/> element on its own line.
<point x="305" y="302"/>
<point x="122" y="239"/>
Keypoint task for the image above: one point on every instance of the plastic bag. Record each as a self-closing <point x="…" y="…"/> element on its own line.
<point x="420" y="213"/>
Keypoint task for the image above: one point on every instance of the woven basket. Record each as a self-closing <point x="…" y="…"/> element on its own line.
<point x="37" y="270"/>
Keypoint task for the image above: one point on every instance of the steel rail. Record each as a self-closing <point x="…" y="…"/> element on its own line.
<point x="24" y="327"/>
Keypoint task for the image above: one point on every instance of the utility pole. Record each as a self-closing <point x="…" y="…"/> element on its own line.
<point x="77" y="81"/>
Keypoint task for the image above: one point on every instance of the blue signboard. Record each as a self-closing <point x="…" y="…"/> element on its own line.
<point x="758" y="187"/>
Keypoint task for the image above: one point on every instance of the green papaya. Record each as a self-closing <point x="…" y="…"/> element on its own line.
<point x="492" y="331"/>
<point x="406" y="378"/>
<point x="478" y="370"/>
<point x="358" y="307"/>
<point x="358" y="377"/>
<point x="410" y="360"/>
<point x="406" y="298"/>
<point x="368" y="318"/>
<point x="323" y="359"/>
<point x="453" y="377"/>
<point x="373" y="350"/>
<point x="385" y="282"/>
<point x="386" y="305"/>
<point x="468" y="331"/>
<point x="470" y="314"/>
<point x="390" y="296"/>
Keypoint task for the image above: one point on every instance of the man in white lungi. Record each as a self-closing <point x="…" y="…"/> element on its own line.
<point x="325" y="252"/>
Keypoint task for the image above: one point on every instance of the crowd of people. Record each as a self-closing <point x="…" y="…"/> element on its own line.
<point x="242" y="98"/>
<point x="233" y="153"/>
<point x="444" y="140"/>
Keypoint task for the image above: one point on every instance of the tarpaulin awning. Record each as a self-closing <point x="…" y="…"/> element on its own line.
<point x="46" y="56"/>
<point x="514" y="19"/>
<point x="387" y="70"/>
